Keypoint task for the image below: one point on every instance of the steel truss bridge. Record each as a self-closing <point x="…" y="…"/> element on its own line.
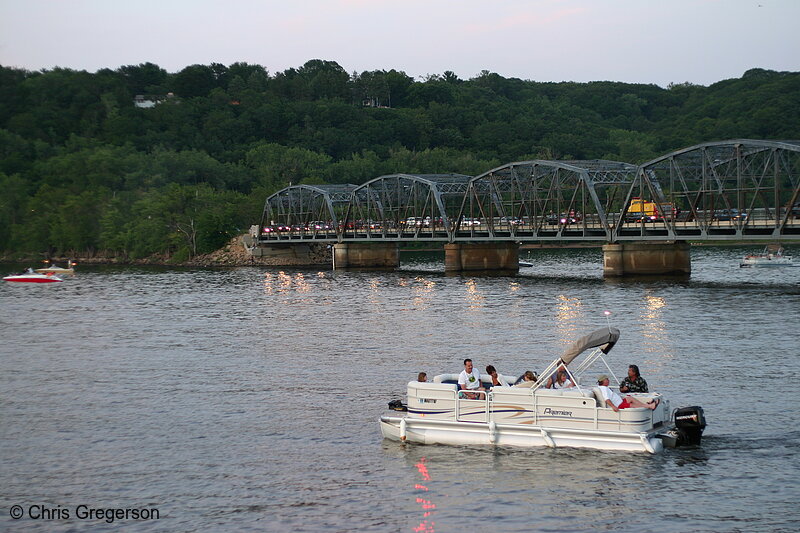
<point x="717" y="191"/>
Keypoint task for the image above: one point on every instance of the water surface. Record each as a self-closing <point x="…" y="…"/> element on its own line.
<point x="248" y="398"/>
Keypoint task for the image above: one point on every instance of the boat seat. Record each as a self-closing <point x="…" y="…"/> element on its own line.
<point x="583" y="393"/>
<point x="549" y="392"/>
<point x="432" y="386"/>
<point x="601" y="402"/>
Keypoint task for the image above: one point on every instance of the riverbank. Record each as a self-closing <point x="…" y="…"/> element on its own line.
<point x="235" y="253"/>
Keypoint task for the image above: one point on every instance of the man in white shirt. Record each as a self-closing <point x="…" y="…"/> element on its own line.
<point x="616" y="402"/>
<point x="470" y="380"/>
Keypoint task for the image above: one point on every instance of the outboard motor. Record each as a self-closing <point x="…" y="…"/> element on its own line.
<point x="397" y="405"/>
<point x="689" y="423"/>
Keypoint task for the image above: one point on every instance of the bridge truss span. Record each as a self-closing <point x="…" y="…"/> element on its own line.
<point x="544" y="200"/>
<point x="305" y="212"/>
<point x="400" y="207"/>
<point x="729" y="190"/>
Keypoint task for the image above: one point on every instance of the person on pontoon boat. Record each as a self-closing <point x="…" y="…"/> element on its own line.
<point x="527" y="380"/>
<point x="497" y="380"/>
<point x="616" y="402"/>
<point x="634" y="382"/>
<point x="562" y="382"/>
<point x="470" y="380"/>
<point x="422" y="377"/>
<point x="551" y="381"/>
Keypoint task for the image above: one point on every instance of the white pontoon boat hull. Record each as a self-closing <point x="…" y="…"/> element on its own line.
<point x="55" y="270"/>
<point x="768" y="258"/>
<point x="759" y="262"/>
<point x="405" y="429"/>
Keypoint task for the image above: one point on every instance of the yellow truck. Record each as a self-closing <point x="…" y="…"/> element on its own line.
<point x="644" y="210"/>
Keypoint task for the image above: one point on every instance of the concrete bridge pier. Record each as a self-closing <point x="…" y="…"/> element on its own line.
<point x="294" y="254"/>
<point x="459" y="257"/>
<point x="637" y="258"/>
<point x="366" y="255"/>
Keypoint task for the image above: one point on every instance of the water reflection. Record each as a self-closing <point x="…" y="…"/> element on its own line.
<point x="423" y="293"/>
<point x="268" y="283"/>
<point x="474" y="298"/>
<point x="277" y="283"/>
<point x="602" y="490"/>
<point x="568" y="312"/>
<point x="301" y="283"/>
<point x="373" y="294"/>
<point x="426" y="525"/>
<point x="654" y="330"/>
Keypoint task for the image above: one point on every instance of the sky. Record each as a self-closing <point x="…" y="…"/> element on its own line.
<point x="638" y="41"/>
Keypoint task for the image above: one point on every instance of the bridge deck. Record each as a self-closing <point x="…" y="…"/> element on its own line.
<point x="766" y="230"/>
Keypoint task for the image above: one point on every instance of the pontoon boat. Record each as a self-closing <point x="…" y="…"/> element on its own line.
<point x="772" y="256"/>
<point x="55" y="269"/>
<point x="438" y="413"/>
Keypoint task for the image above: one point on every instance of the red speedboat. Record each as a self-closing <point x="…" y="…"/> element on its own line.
<point x="33" y="277"/>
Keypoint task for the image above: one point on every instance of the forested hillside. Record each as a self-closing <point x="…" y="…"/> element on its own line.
<point x="83" y="168"/>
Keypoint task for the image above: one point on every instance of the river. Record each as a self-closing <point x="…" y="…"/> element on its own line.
<point x="248" y="398"/>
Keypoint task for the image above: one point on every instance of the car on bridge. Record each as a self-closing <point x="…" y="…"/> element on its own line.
<point x="725" y="215"/>
<point x="565" y="219"/>
<point x="318" y="225"/>
<point x="275" y="228"/>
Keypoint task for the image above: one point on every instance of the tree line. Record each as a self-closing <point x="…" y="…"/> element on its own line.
<point x="83" y="169"/>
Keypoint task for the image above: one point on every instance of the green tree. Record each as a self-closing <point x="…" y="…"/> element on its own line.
<point x="195" y="81"/>
<point x="144" y="78"/>
<point x="277" y="166"/>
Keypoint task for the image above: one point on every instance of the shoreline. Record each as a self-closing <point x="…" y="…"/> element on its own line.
<point x="235" y="254"/>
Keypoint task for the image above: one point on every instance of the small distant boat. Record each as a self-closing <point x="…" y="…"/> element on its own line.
<point x="772" y="256"/>
<point x="525" y="264"/>
<point x="33" y="277"/>
<point x="55" y="269"/>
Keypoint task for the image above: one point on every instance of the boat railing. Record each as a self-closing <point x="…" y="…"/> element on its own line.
<point x="486" y="403"/>
<point x="600" y="413"/>
<point x="597" y="354"/>
<point x="575" y="374"/>
<point x="481" y="409"/>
